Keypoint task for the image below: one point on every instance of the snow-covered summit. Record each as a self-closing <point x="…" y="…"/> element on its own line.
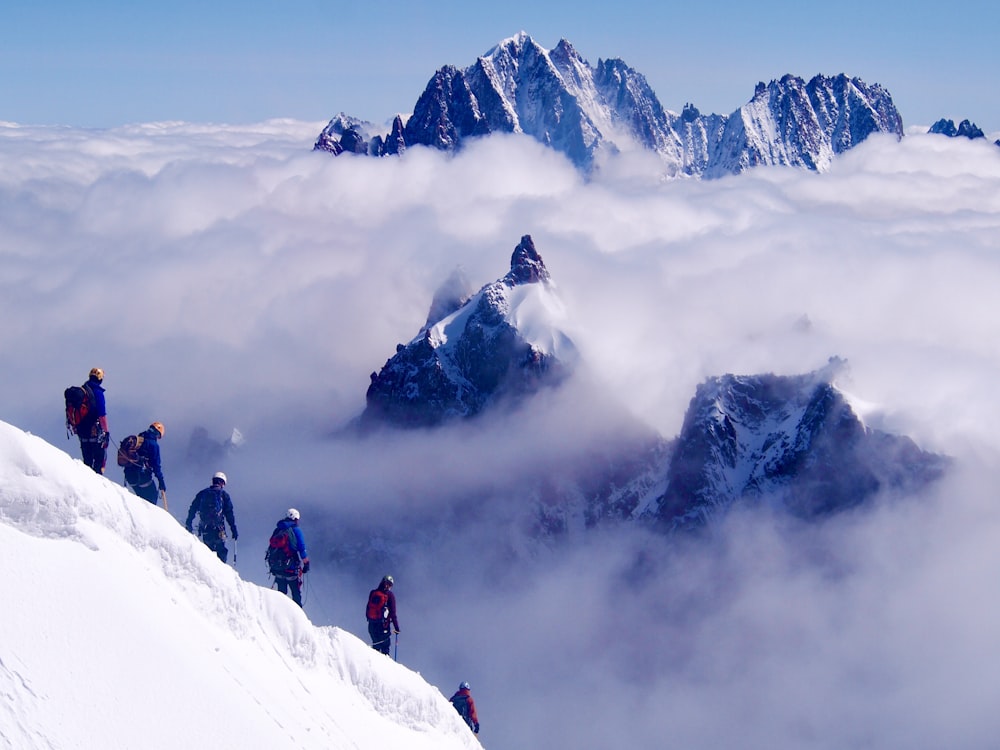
<point x="505" y="341"/>
<point x="516" y="42"/>
<point x="122" y="630"/>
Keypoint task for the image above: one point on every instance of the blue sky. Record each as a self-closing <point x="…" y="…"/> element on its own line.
<point x="108" y="62"/>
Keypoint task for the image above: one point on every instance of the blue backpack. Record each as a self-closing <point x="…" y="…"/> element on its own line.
<point x="211" y="518"/>
<point x="461" y="704"/>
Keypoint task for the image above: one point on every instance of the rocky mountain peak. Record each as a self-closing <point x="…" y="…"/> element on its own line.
<point x="526" y="265"/>
<point x="965" y="129"/>
<point x="789" y="442"/>
<point x="502" y="343"/>
<point x="512" y="45"/>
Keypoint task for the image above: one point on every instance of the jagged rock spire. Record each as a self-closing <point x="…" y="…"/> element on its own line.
<point x="526" y="265"/>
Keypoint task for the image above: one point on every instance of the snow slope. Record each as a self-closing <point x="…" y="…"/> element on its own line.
<point x="121" y="630"/>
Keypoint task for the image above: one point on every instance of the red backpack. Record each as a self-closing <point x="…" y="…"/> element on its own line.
<point x="281" y="555"/>
<point x="78" y="403"/>
<point x="378" y="605"/>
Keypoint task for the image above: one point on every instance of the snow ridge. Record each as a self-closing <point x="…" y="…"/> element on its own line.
<point x="128" y="611"/>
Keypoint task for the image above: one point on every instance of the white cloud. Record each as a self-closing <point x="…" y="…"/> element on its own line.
<point x="234" y="279"/>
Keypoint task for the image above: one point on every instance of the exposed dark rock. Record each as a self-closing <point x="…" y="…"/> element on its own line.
<point x="965" y="129"/>
<point x="353" y="142"/>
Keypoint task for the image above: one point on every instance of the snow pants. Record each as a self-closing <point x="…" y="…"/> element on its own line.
<point x="146" y="491"/>
<point x="284" y="585"/>
<point x="380" y="635"/>
<point x="95" y="453"/>
<point x="217" y="544"/>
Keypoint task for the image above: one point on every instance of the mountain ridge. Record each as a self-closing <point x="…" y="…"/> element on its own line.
<point x="590" y="113"/>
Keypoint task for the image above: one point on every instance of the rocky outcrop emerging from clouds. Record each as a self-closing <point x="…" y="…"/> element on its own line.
<point x="794" y="123"/>
<point x="472" y="353"/>
<point x="591" y="112"/>
<point x="346" y="134"/>
<point x="788" y="442"/>
<point x="792" y="445"/>
<point x="965" y="129"/>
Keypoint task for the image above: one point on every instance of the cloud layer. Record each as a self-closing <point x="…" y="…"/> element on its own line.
<point x="231" y="278"/>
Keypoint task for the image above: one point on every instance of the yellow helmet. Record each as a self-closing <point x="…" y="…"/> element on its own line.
<point x="98" y="373"/>
<point x="158" y="426"/>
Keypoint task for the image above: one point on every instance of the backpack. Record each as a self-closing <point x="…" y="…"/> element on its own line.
<point x="79" y="401"/>
<point x="128" y="451"/>
<point x="210" y="512"/>
<point x="461" y="704"/>
<point x="378" y="605"/>
<point x="281" y="555"/>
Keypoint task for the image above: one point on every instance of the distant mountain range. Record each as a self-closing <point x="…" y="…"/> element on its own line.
<point x="590" y="113"/>
<point x="788" y="443"/>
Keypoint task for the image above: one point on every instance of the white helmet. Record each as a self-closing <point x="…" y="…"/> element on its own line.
<point x="219" y="475"/>
<point x="292" y="514"/>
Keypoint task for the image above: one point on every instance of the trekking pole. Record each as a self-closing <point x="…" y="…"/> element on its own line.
<point x="236" y="547"/>
<point x="395" y="655"/>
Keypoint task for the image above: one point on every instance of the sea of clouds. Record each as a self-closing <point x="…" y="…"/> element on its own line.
<point x="228" y="277"/>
